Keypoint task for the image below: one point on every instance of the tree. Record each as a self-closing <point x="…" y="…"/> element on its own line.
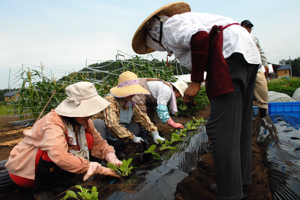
<point x="296" y="66"/>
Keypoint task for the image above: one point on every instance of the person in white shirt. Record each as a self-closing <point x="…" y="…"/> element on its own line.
<point x="261" y="85"/>
<point x="227" y="52"/>
<point x="161" y="94"/>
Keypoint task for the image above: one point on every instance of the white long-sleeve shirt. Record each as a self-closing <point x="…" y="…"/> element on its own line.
<point x="179" y="29"/>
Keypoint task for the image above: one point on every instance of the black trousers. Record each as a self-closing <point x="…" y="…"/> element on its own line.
<point x="49" y="175"/>
<point x="229" y="129"/>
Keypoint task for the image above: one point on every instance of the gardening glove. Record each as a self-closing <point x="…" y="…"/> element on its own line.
<point x="173" y="124"/>
<point x="112" y="158"/>
<point x="137" y="139"/>
<point x="156" y="137"/>
<point x="96" y="168"/>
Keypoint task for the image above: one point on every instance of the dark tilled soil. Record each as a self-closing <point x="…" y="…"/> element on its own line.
<point x="195" y="186"/>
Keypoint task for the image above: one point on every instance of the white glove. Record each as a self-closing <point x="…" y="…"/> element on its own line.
<point x="112" y="158"/>
<point x="156" y="137"/>
<point x="96" y="168"/>
<point x="137" y="139"/>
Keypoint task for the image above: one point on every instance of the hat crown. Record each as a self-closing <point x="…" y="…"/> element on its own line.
<point x="127" y="76"/>
<point x="181" y="86"/>
<point x="80" y="91"/>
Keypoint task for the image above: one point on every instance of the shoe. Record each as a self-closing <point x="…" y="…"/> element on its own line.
<point x="245" y="192"/>
<point x="213" y="188"/>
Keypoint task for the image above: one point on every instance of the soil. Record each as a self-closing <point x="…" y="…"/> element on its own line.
<point x="195" y="186"/>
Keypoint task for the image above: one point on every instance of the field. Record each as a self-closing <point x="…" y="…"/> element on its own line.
<point x="195" y="186"/>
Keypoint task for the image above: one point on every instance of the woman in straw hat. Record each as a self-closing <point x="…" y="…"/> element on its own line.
<point x="122" y="120"/>
<point x="226" y="51"/>
<point x="160" y="94"/>
<point x="62" y="143"/>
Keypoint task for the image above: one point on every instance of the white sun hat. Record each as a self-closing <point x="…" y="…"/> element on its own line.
<point x="82" y="101"/>
<point x="181" y="86"/>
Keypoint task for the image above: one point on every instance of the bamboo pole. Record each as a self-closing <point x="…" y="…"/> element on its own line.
<point x="46" y="105"/>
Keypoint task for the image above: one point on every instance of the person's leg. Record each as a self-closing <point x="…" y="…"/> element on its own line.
<point x="224" y="130"/>
<point x="100" y="127"/>
<point x="134" y="128"/>
<point x="261" y="93"/>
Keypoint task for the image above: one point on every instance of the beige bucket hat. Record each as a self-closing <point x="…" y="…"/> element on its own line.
<point x="181" y="86"/>
<point x="82" y="101"/>
<point x="128" y="84"/>
<point x="139" y="39"/>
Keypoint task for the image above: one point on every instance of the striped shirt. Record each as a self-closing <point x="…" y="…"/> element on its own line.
<point x="111" y="116"/>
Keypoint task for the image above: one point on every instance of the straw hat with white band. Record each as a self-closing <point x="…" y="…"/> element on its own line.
<point x="128" y="84"/>
<point x="139" y="38"/>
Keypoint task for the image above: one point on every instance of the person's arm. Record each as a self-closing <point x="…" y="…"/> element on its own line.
<point x="100" y="147"/>
<point x="199" y="51"/>
<point x="264" y="59"/>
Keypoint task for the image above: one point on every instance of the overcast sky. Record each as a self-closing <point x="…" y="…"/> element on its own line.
<point x="65" y="35"/>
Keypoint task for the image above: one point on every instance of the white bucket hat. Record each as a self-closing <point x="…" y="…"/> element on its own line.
<point x="82" y="101"/>
<point x="181" y="86"/>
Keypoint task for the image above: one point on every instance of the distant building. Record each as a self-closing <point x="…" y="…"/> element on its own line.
<point x="11" y="96"/>
<point x="284" y="71"/>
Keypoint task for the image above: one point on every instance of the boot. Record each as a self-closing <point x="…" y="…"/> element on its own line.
<point x="262" y="112"/>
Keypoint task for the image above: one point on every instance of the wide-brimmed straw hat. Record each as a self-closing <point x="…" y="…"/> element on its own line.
<point x="181" y="86"/>
<point x="139" y="38"/>
<point x="82" y="101"/>
<point x="128" y="85"/>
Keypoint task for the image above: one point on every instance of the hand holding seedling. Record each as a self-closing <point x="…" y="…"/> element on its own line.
<point x="156" y="137"/>
<point x="124" y="170"/>
<point x="96" y="168"/>
<point x="112" y="158"/>
<point x="190" y="93"/>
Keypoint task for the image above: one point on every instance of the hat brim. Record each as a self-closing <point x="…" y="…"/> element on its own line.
<point x="86" y="107"/>
<point x="178" y="88"/>
<point x="126" y="91"/>
<point x="139" y="39"/>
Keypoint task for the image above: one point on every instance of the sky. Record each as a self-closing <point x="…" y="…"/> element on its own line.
<point x="67" y="35"/>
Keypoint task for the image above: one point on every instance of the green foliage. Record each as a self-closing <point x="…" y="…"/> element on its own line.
<point x="200" y="99"/>
<point x="124" y="170"/>
<point x="84" y="194"/>
<point x="151" y="150"/>
<point x="284" y="85"/>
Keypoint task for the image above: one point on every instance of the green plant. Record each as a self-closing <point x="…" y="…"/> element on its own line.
<point x="166" y="145"/>
<point x="85" y="194"/>
<point x="151" y="149"/>
<point x="175" y="137"/>
<point x="124" y="170"/>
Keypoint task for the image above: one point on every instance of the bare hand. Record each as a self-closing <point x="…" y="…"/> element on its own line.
<point x="190" y="93"/>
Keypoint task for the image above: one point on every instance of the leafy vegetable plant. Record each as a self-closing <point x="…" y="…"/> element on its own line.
<point x="151" y="149"/>
<point x="84" y="194"/>
<point x="124" y="170"/>
<point x="165" y="145"/>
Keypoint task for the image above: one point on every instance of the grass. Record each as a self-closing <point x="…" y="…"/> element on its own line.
<point x="4" y="108"/>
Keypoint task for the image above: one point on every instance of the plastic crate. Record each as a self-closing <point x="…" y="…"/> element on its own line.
<point x="284" y="108"/>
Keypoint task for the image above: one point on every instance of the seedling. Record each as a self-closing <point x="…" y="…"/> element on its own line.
<point x="175" y="138"/>
<point x="151" y="149"/>
<point x="124" y="170"/>
<point x="84" y="194"/>
<point x="165" y="145"/>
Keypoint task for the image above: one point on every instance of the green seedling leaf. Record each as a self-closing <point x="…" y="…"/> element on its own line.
<point x="72" y="194"/>
<point x="94" y="189"/>
<point x="112" y="166"/>
<point x="65" y="197"/>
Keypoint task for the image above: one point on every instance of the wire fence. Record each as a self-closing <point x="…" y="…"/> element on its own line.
<point x="37" y="83"/>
